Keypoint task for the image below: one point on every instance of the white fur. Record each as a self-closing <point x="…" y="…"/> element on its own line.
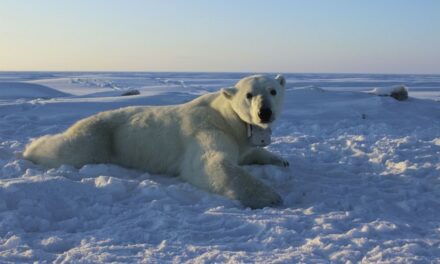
<point x="202" y="141"/>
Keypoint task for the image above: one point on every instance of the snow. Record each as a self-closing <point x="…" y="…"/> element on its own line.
<point x="16" y="90"/>
<point x="363" y="185"/>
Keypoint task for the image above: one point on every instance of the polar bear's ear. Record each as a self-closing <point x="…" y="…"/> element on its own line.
<point x="280" y="78"/>
<point x="229" y="92"/>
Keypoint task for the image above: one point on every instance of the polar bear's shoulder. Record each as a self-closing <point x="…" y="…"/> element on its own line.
<point x="204" y="100"/>
<point x="201" y="113"/>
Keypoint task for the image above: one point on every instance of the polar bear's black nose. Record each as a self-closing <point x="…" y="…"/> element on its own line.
<point x="265" y="114"/>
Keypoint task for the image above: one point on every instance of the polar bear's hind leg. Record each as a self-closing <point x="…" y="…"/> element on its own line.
<point x="87" y="141"/>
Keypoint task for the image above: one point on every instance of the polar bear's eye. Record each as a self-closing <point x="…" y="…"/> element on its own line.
<point x="273" y="92"/>
<point x="249" y="96"/>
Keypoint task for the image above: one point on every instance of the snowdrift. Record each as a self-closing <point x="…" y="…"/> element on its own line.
<point x="23" y="90"/>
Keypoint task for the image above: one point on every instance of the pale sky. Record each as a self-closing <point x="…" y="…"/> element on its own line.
<point x="377" y="36"/>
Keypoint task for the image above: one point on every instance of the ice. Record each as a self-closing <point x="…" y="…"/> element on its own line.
<point x="389" y="90"/>
<point x="22" y="90"/>
<point x="363" y="185"/>
<point x="397" y="92"/>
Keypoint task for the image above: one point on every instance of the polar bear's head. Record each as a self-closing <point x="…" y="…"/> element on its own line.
<point x="257" y="99"/>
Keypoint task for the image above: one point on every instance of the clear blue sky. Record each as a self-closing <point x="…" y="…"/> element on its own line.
<point x="383" y="36"/>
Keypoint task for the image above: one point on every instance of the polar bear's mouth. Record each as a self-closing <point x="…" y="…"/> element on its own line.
<point x="263" y="125"/>
<point x="266" y="121"/>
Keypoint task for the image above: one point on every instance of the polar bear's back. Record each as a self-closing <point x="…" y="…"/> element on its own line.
<point x="154" y="139"/>
<point x="149" y="139"/>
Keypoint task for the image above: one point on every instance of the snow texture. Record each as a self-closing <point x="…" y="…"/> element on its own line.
<point x="363" y="185"/>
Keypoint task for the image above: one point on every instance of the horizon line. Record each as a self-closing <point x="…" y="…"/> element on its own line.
<point x="193" y="71"/>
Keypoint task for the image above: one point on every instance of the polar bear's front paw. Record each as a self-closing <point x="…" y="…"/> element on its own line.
<point x="260" y="199"/>
<point x="281" y="162"/>
<point x="268" y="199"/>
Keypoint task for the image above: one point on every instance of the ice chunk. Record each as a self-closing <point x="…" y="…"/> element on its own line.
<point x="399" y="92"/>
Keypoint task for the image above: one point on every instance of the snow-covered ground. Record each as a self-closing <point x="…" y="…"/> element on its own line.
<point x="363" y="185"/>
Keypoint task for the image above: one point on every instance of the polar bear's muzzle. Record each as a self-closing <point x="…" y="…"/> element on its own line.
<point x="265" y="115"/>
<point x="262" y="111"/>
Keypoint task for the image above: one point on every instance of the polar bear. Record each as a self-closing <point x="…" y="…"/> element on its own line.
<point x="204" y="141"/>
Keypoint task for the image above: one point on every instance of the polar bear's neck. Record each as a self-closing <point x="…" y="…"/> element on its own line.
<point x="237" y="126"/>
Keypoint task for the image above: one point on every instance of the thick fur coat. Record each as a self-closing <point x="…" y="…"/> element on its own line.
<point x="203" y="141"/>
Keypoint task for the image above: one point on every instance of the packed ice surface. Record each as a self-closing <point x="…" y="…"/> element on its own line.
<point x="22" y="90"/>
<point x="363" y="185"/>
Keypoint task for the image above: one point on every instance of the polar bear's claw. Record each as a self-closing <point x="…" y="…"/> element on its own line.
<point x="282" y="162"/>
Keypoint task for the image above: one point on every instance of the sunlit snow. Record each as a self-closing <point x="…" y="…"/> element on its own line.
<point x="363" y="182"/>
